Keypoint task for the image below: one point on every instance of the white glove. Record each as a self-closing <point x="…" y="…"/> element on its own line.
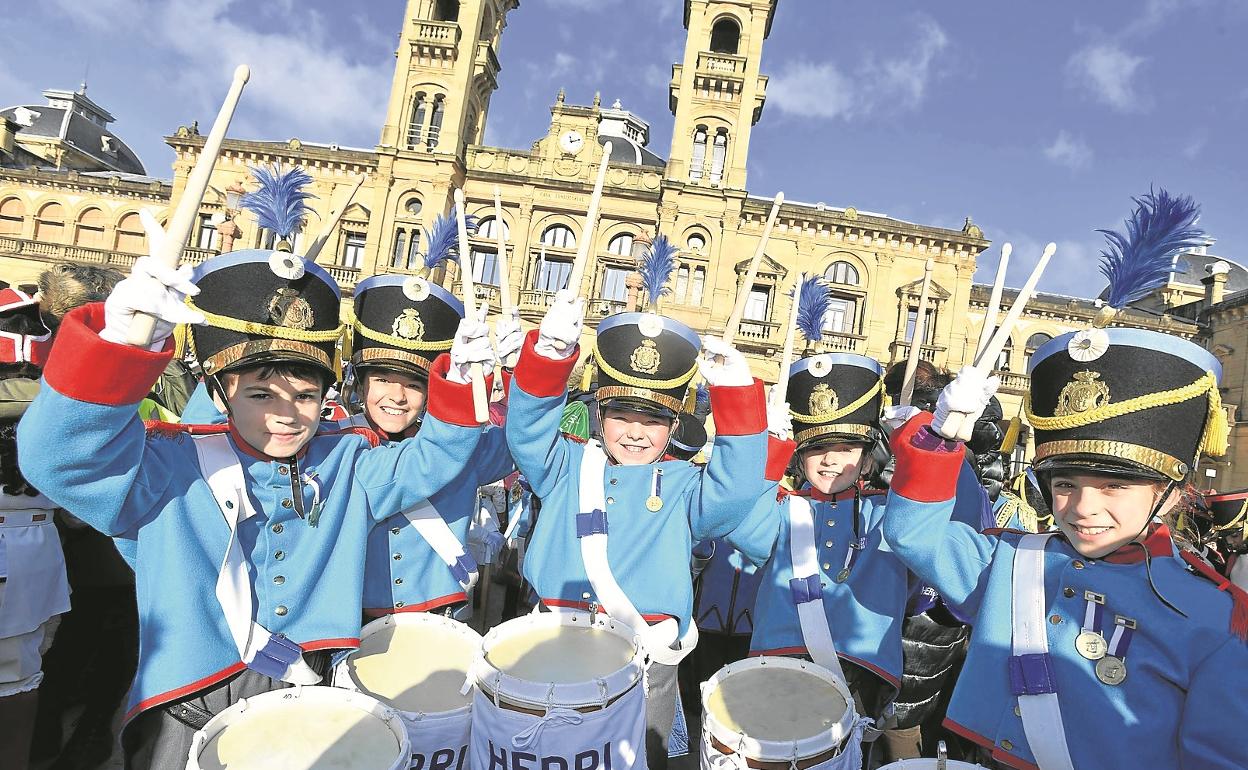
<point x="561" y="328"/>
<point x="157" y="290"/>
<point x="968" y="395"/>
<point x="895" y="416"/>
<point x="723" y="365"/>
<point x="779" y="421"/>
<point x="471" y="346"/>
<point x="509" y="336"/>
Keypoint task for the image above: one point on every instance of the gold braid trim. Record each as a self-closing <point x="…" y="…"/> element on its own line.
<point x="1171" y="467"/>
<point x="1235" y="523"/>
<point x="398" y="342"/>
<point x="642" y="394"/>
<point x="267" y="330"/>
<point x="833" y="416"/>
<point x="641" y="382"/>
<point x="1213" y="441"/>
<point x="802" y="437"/>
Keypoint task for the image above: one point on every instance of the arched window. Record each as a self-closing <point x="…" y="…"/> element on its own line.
<point x="1003" y="358"/>
<point x="130" y="235"/>
<point x="1037" y="339"/>
<point x="90" y="229"/>
<point x="725" y="36"/>
<point x="842" y="273"/>
<point x="416" y="127"/>
<point x="719" y="154"/>
<point x="50" y="224"/>
<point x="12" y="212"/>
<point x="413" y="207"/>
<point x="447" y="10"/>
<point x="559" y="237"/>
<point x="621" y="245"/>
<point x="485" y="251"/>
<point x="488" y="229"/>
<point x="435" y="121"/>
<point x="697" y="242"/>
<point x="699" y="154"/>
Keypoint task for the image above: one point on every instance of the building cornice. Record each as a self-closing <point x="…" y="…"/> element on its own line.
<point x="73" y="180"/>
<point x="293" y="151"/>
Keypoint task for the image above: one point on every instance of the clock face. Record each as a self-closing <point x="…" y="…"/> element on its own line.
<point x="571" y="141"/>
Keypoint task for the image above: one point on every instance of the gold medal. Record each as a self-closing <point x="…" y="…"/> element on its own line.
<point x="1111" y="670"/>
<point x="654" y="503"/>
<point x="843" y="575"/>
<point x="1091" y="645"/>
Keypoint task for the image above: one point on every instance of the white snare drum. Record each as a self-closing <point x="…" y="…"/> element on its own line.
<point x="774" y="712"/>
<point x="930" y="764"/>
<point x="560" y="687"/>
<point x="417" y="663"/>
<point x="303" y="728"/>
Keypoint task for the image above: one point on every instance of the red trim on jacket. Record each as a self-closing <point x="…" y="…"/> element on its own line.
<point x="87" y="368"/>
<point x="162" y="429"/>
<point x="1239" y="598"/>
<point x="739" y="410"/>
<point x="779" y="453"/>
<point x="923" y="475"/>
<point x="1157" y="542"/>
<point x="449" y="401"/>
<point x="569" y="604"/>
<point x="538" y="375"/>
<point x="432" y="604"/>
<point x="998" y="754"/>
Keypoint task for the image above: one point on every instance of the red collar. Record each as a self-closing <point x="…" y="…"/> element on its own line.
<point x="1157" y="542"/>
<point x="251" y="451"/>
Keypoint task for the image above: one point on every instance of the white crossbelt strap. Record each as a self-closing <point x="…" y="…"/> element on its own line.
<point x="274" y="656"/>
<point x="657" y="639"/>
<point x="1031" y="672"/>
<point x="807" y="587"/>
<point x="434" y="529"/>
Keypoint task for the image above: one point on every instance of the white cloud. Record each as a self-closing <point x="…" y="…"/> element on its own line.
<point x="1107" y="72"/>
<point x="824" y="90"/>
<point x="564" y="64"/>
<point x="1074" y="269"/>
<point x="1069" y="150"/>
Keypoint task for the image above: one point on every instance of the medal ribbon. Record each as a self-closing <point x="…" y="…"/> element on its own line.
<point x="857" y="545"/>
<point x="1093" y="613"/>
<point x="656" y="483"/>
<point x="1120" y="642"/>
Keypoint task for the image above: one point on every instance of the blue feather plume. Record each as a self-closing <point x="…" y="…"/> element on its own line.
<point x="657" y="267"/>
<point x="279" y="203"/>
<point x="1140" y="260"/>
<point x="443" y="239"/>
<point x="812" y="306"/>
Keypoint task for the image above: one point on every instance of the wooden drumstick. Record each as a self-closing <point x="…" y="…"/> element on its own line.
<point x="743" y="296"/>
<point x="591" y="219"/>
<point x="184" y="216"/>
<point x="790" y="337"/>
<point x="480" y="399"/>
<point x="335" y="216"/>
<point x="916" y="339"/>
<point x="994" y="301"/>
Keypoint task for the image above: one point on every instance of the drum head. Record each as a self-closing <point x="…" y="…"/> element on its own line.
<point x="775" y="709"/>
<point x="560" y="654"/>
<point x="930" y="764"/>
<point x="309" y="728"/>
<point x="415" y="662"/>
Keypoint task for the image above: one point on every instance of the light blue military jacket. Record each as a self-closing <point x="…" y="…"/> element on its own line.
<point x="649" y="551"/>
<point x="1182" y="704"/>
<point x="402" y="572"/>
<point x="85" y="447"/>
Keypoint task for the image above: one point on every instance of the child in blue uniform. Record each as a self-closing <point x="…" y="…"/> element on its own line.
<point x="248" y="539"/>
<point x="1100" y="645"/>
<point x="417" y="560"/>
<point x="655" y="509"/>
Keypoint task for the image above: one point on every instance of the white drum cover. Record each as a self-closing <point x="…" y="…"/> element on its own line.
<point x="302" y="728"/>
<point x="417" y="663"/>
<point x="930" y="764"/>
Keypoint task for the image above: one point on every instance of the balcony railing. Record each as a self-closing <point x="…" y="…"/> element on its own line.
<point x="1012" y="382"/>
<point x="601" y="308"/>
<point x="901" y="350"/>
<point x="532" y="303"/>
<point x="721" y="63"/>
<point x="64" y="252"/>
<point x="758" y="331"/>
<point x="445" y="33"/>
<point x="483" y="291"/>
<point x="843" y="343"/>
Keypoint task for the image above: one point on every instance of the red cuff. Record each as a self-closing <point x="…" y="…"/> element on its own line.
<point x="449" y="401"/>
<point x="86" y="368"/>
<point x="739" y="410"/>
<point x="539" y="376"/>
<point x="923" y="475"/>
<point x="779" y="452"/>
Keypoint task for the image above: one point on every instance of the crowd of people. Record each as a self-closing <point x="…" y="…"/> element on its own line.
<point x="212" y="509"/>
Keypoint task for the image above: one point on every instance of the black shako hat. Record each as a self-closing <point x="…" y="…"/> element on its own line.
<point x="403" y="323"/>
<point x="834" y="397"/>
<point x="645" y="361"/>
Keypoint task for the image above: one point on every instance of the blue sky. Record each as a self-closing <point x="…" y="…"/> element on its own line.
<point x="1039" y="120"/>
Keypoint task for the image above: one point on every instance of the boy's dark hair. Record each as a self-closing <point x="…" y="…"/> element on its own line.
<point x="294" y="369"/>
<point x="929" y="380"/>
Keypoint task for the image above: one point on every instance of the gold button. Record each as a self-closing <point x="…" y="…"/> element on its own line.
<point x="279" y="580"/>
<point x="827" y="566"/>
<point x="398" y="557"/>
<point x="394" y="530"/>
<point x="398" y="581"/>
<point x="398" y="605"/>
<point x="287" y="503"/>
<point x="1055" y="619"/>
<point x="277" y="529"/>
<point x="610" y="501"/>
<point x="831" y="522"/>
<point x="1068" y="592"/>
<point x="1077" y="564"/>
<point x="279" y="555"/>
<point x="281" y="610"/>
<point x="282" y="469"/>
<point x="1007" y="745"/>
<point x="613" y="482"/>
<point x="1017" y="711"/>
<point x="827" y="543"/>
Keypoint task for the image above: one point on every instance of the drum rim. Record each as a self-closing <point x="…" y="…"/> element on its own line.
<point x="779" y="751"/>
<point x="918" y="763"/>
<point x="343" y="679"/>
<point x="496" y="684"/>
<point x="358" y="700"/>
